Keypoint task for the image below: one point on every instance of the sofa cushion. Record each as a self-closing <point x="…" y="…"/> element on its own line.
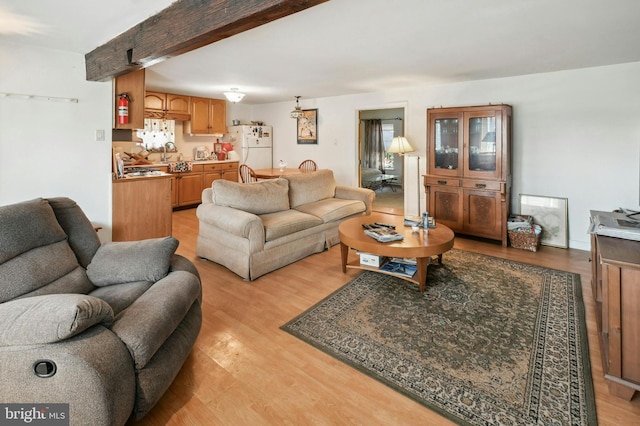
<point x="262" y="197"/>
<point x="333" y="208"/>
<point x="129" y="261"/>
<point x="50" y="318"/>
<point x="311" y="186"/>
<point x="121" y="296"/>
<point x="34" y="252"/>
<point x="287" y="222"/>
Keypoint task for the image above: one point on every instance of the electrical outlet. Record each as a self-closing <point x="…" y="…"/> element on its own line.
<point x="100" y="135"/>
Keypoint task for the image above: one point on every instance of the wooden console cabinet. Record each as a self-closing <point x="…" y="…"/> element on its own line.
<point x="468" y="180"/>
<point x="615" y="285"/>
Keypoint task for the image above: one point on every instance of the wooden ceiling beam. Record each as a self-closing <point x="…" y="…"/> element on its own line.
<point x="184" y="26"/>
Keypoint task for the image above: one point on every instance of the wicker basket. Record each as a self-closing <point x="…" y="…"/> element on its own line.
<point x="524" y="239"/>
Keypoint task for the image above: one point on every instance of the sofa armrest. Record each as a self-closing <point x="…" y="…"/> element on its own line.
<point x="233" y="221"/>
<point x="353" y="193"/>
<point x="50" y="318"/>
<point x="207" y="196"/>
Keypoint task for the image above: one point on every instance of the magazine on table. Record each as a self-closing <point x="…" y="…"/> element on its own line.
<point x="382" y="233"/>
<point x="401" y="269"/>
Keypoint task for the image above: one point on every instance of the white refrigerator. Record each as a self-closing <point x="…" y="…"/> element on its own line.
<point x="254" y="145"/>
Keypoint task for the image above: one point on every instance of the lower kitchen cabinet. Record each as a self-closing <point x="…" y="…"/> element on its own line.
<point x="186" y="188"/>
<point x="141" y="208"/>
<point x="189" y="188"/>
<point x="226" y="171"/>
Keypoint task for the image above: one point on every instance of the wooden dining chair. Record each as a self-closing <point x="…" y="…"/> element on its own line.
<point x="247" y="174"/>
<point x="308" y="166"/>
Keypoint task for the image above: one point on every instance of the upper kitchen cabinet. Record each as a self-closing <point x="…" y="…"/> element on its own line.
<point x="208" y="116"/>
<point x="132" y="84"/>
<point x="167" y="105"/>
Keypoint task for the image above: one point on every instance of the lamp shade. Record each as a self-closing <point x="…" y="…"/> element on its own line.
<point x="400" y="145"/>
<point x="234" y="96"/>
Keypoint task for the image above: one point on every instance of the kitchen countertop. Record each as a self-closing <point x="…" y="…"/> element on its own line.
<point x="131" y="177"/>
<point x="183" y="161"/>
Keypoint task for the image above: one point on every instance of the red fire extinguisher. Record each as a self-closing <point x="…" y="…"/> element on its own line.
<point x="123" y="108"/>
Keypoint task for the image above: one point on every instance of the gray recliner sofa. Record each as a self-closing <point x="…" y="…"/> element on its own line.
<point x="102" y="327"/>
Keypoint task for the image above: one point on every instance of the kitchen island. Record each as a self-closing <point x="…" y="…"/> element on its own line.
<point x="141" y="207"/>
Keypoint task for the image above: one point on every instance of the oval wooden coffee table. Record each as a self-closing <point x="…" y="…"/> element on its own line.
<point x="419" y="244"/>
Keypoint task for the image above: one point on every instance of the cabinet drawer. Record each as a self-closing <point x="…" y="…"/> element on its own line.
<point x="219" y="167"/>
<point x="489" y="185"/>
<point x="439" y="180"/>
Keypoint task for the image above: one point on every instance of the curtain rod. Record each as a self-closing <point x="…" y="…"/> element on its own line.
<point x="396" y="118"/>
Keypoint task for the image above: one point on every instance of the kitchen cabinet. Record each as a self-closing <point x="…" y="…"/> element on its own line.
<point x="186" y="188"/>
<point x="208" y="116"/>
<point x="132" y="84"/>
<point x="227" y="171"/>
<point x="468" y="180"/>
<point x="141" y="208"/>
<point x="168" y="106"/>
<point x="615" y="286"/>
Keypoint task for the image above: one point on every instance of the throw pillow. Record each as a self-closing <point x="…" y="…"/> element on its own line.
<point x="50" y="318"/>
<point x="267" y="196"/>
<point x="130" y="261"/>
<point x="309" y="187"/>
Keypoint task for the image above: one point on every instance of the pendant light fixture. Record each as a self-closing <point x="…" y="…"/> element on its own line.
<point x="233" y="95"/>
<point x="297" y="112"/>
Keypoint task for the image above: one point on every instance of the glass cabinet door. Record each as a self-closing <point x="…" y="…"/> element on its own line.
<point x="482" y="144"/>
<point x="445" y="144"/>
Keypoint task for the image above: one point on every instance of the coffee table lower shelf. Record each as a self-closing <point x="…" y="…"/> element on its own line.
<point x="413" y="279"/>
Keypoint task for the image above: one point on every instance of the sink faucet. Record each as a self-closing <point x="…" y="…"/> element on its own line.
<point x="164" y="151"/>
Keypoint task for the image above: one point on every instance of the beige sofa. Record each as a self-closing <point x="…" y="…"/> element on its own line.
<point x="255" y="228"/>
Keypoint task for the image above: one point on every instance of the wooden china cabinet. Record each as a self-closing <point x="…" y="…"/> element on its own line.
<point x="468" y="180"/>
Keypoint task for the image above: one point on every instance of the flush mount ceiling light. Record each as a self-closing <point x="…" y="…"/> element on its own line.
<point x="297" y="112"/>
<point x="233" y="95"/>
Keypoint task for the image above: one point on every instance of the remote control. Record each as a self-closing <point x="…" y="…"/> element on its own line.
<point x="386" y="225"/>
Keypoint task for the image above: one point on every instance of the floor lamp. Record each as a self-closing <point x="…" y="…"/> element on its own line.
<point x="400" y="145"/>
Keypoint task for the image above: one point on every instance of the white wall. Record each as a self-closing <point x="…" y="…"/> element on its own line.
<point x="576" y="134"/>
<point x="48" y="149"/>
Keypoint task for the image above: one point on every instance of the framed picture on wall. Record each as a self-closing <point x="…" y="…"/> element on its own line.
<point x="308" y="127"/>
<point x="551" y="214"/>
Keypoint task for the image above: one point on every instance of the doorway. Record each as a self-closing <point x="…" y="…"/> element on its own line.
<point x="377" y="170"/>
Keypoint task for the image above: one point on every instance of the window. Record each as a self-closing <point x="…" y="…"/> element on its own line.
<point x="387" y="136"/>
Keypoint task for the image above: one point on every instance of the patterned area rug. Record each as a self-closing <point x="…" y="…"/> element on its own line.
<point x="490" y="342"/>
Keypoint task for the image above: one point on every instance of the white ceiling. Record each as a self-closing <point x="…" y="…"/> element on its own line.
<point x="356" y="46"/>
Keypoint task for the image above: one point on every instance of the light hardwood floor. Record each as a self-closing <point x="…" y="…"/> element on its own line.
<point x="245" y="371"/>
